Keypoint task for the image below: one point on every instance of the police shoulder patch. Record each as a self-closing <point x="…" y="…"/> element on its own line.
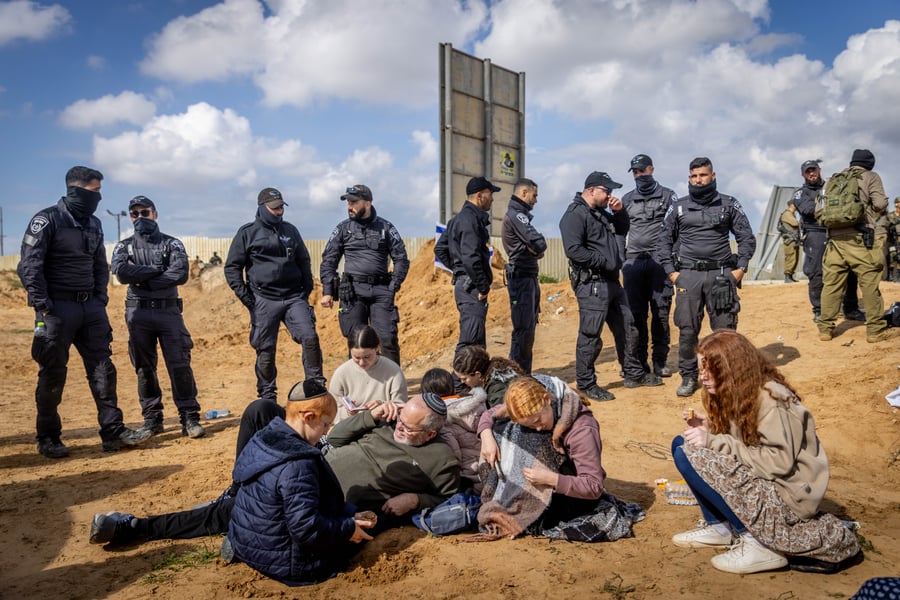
<point x="38" y="223"/>
<point x="178" y="246"/>
<point x="395" y="234"/>
<point x="522" y="218"/>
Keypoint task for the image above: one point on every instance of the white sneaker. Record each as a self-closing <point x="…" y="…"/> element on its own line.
<point x="703" y="536"/>
<point x="748" y="556"/>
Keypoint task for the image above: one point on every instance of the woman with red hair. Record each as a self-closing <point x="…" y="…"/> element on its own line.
<point x="756" y="467"/>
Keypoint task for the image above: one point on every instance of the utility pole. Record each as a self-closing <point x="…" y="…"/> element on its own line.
<point x="118" y="217"/>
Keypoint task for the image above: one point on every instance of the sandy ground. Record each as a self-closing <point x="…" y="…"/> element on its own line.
<point x="46" y="506"/>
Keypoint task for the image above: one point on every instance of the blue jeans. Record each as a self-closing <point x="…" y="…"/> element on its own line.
<point x="712" y="505"/>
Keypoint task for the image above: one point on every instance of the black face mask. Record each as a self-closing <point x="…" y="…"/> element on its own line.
<point x="816" y="185"/>
<point x="645" y="184"/>
<point x="272" y="220"/>
<point x="144" y="226"/>
<point x="82" y="202"/>
<point x="703" y="194"/>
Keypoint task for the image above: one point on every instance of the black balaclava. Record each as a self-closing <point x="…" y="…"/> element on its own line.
<point x="645" y="184"/>
<point x="82" y="202"/>
<point x="145" y="227"/>
<point x="272" y="220"/>
<point x="703" y="194"/>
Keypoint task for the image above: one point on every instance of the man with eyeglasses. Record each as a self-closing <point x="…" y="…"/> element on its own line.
<point x="695" y="252"/>
<point x="463" y="248"/>
<point x="153" y="265"/>
<point x="367" y="288"/>
<point x="268" y="268"/>
<point x="389" y="460"/>
<point x="589" y="228"/>
<point x="63" y="268"/>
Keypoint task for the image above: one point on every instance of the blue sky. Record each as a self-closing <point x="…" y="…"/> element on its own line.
<point x="199" y="104"/>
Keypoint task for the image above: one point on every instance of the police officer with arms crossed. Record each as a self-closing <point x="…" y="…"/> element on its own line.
<point x="64" y="270"/>
<point x="589" y="233"/>
<point x="153" y="265"/>
<point x="366" y="290"/>
<point x="268" y="267"/>
<point x="524" y="245"/>
<point x="814" y="237"/>
<point x="704" y="271"/>
<point x="646" y="284"/>
<point x="463" y="248"/>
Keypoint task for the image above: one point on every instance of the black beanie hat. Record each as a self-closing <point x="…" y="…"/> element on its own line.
<point x="863" y="158"/>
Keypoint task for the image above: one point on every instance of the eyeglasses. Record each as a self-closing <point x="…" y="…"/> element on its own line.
<point x="406" y="428"/>
<point x="144" y="212"/>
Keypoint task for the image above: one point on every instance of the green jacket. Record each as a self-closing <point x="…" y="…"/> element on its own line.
<point x="372" y="467"/>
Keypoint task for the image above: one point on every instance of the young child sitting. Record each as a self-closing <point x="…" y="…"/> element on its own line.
<point x="476" y="368"/>
<point x="289" y="520"/>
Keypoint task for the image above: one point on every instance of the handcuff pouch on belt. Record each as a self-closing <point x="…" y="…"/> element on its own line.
<point x="345" y="290"/>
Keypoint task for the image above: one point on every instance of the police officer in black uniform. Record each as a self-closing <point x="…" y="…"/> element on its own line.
<point x="268" y="267"/>
<point x="64" y="270"/>
<point x="463" y="248"/>
<point x="814" y="237"/>
<point x="153" y="265"/>
<point x="524" y="245"/>
<point x="366" y="289"/>
<point x="645" y="281"/>
<point x="589" y="228"/>
<point x="695" y="252"/>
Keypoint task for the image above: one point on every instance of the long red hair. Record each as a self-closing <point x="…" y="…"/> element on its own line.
<point x="740" y="370"/>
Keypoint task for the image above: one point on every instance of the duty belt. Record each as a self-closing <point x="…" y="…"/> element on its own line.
<point x="710" y="265"/>
<point x="383" y="279"/>
<point x="153" y="302"/>
<point x="71" y="296"/>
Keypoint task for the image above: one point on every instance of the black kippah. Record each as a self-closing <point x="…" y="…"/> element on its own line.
<point x="435" y="403"/>
<point x="306" y="390"/>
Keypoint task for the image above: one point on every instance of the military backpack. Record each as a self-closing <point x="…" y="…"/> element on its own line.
<point x="839" y="204"/>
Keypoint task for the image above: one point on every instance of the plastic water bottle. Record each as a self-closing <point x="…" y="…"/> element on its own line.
<point x="217" y="413"/>
<point x="40" y="329"/>
<point x="553" y="298"/>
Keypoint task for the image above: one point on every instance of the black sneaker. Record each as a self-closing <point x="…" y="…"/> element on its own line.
<point x="193" y="429"/>
<point x="153" y="426"/>
<point x="52" y="447"/>
<point x="662" y="370"/>
<point x="688" y="386"/>
<point x="113" y="527"/>
<point x="126" y="439"/>
<point x="598" y="393"/>
<point x="855" y="315"/>
<point x="649" y="380"/>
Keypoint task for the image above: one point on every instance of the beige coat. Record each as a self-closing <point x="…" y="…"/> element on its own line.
<point x="788" y="454"/>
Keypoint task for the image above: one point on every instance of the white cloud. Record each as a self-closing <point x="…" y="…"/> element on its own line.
<point x="26" y="20"/>
<point x="127" y="107"/>
<point x="202" y="145"/>
<point x="219" y="42"/>
<point x="373" y="52"/>
<point x="96" y="63"/>
<point x="428" y="148"/>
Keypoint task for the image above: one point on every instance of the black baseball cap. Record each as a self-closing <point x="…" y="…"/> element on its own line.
<point x="601" y="179"/>
<point x="640" y="162"/>
<point x="141" y="201"/>
<point x="358" y="191"/>
<point x="810" y="164"/>
<point x="477" y="184"/>
<point x="271" y="198"/>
